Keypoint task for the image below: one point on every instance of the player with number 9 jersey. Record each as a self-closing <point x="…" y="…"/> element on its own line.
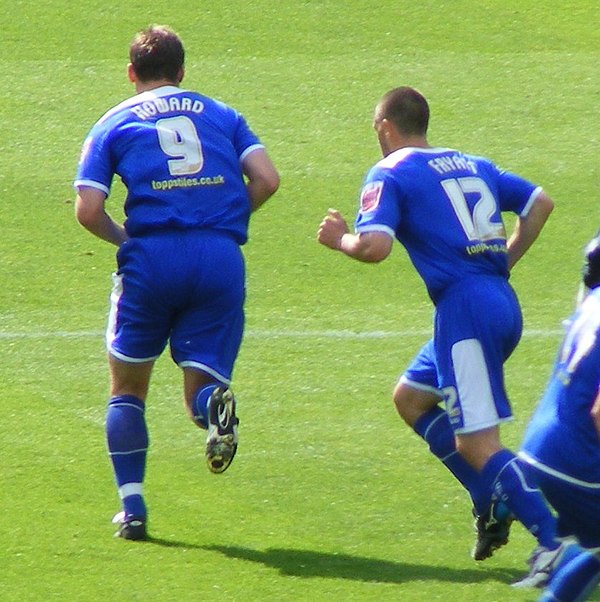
<point x="179" y="155"/>
<point x="194" y="172"/>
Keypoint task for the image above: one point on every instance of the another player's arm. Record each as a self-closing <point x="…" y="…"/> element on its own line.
<point x="263" y="179"/>
<point x="528" y="228"/>
<point x="595" y="413"/>
<point x="91" y="214"/>
<point x="370" y="247"/>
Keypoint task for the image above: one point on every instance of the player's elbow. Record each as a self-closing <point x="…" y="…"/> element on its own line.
<point x="84" y="215"/>
<point x="544" y="205"/>
<point x="262" y="188"/>
<point x="263" y="177"/>
<point x="270" y="183"/>
<point x="373" y="255"/>
<point x="374" y="247"/>
<point x="88" y="213"/>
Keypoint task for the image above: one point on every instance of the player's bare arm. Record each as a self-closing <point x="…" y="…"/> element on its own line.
<point x="528" y="228"/>
<point x="370" y="247"/>
<point x="263" y="179"/>
<point x="595" y="413"/>
<point x="91" y="214"/>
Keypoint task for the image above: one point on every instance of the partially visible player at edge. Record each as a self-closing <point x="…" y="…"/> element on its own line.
<point x="562" y="448"/>
<point x="445" y="208"/>
<point x="194" y="172"/>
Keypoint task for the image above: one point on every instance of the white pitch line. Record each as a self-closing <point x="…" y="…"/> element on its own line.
<point x="276" y="334"/>
<point x="374" y="334"/>
<point x="50" y="334"/>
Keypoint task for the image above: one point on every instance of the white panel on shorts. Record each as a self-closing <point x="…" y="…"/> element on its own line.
<point x="115" y="295"/>
<point x="473" y="386"/>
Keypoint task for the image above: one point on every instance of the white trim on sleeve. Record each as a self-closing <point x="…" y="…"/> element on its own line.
<point x="376" y="228"/>
<point x="249" y="150"/>
<point x="530" y="202"/>
<point x="90" y="184"/>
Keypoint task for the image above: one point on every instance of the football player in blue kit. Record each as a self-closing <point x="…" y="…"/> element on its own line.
<point x="445" y="208"/>
<point x="562" y="447"/>
<point x="194" y="172"/>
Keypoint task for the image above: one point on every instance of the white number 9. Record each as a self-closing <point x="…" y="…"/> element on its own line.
<point x="178" y="138"/>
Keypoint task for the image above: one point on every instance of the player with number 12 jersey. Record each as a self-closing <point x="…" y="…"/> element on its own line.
<point x="445" y="208"/>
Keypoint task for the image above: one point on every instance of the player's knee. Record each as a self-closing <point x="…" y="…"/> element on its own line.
<point x="412" y="403"/>
<point x="401" y="399"/>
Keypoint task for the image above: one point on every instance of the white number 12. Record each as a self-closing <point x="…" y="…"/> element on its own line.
<point x="477" y="224"/>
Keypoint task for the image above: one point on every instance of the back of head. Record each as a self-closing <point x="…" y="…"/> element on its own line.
<point x="407" y="109"/>
<point x="591" y="264"/>
<point x="156" y="53"/>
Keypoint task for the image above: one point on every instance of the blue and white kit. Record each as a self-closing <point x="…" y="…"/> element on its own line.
<point x="187" y="213"/>
<point x="561" y="442"/>
<point x="445" y="208"/>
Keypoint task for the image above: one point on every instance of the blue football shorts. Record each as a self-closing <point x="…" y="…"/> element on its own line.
<point x="477" y="325"/>
<point x="422" y="372"/>
<point x="182" y="287"/>
<point x="577" y="506"/>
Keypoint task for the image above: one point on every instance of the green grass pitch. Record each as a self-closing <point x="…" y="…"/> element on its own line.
<point x="330" y="497"/>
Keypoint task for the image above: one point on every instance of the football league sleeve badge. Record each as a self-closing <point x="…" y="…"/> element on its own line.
<point x="370" y="196"/>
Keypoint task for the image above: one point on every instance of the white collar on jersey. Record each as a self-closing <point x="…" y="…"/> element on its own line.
<point x="399" y="155"/>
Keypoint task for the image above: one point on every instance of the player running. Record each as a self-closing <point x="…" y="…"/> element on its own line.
<point x="445" y="208"/>
<point x="194" y="172"/>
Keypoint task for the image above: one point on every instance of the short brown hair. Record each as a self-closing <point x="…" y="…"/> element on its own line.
<point x="407" y="109"/>
<point x="157" y="53"/>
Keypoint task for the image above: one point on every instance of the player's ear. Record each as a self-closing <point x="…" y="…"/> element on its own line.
<point x="387" y="127"/>
<point x="131" y="75"/>
<point x="180" y="74"/>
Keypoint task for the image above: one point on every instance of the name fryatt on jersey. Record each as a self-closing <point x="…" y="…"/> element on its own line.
<point x="153" y="107"/>
<point x="445" y="164"/>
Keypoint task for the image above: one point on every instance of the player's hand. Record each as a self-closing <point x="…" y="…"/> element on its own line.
<point x="331" y="230"/>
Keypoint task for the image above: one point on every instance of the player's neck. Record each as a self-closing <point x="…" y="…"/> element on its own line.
<point x="406" y="142"/>
<point x="413" y="142"/>
<point x="152" y="85"/>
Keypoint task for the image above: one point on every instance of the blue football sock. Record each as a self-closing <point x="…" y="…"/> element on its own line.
<point x="127" y="438"/>
<point x="200" y="403"/>
<point x="434" y="427"/>
<point x="507" y="479"/>
<point x="575" y="580"/>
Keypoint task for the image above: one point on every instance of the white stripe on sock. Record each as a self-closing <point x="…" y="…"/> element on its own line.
<point x="130" y="489"/>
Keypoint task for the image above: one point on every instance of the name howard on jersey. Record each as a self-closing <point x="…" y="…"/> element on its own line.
<point x="156" y="106"/>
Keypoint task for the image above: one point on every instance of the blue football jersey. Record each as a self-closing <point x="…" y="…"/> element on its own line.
<point x="445" y="208"/>
<point x="561" y="435"/>
<point x="179" y="154"/>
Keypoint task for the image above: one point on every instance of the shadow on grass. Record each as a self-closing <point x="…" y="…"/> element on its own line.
<point x="171" y="543"/>
<point x="306" y="563"/>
